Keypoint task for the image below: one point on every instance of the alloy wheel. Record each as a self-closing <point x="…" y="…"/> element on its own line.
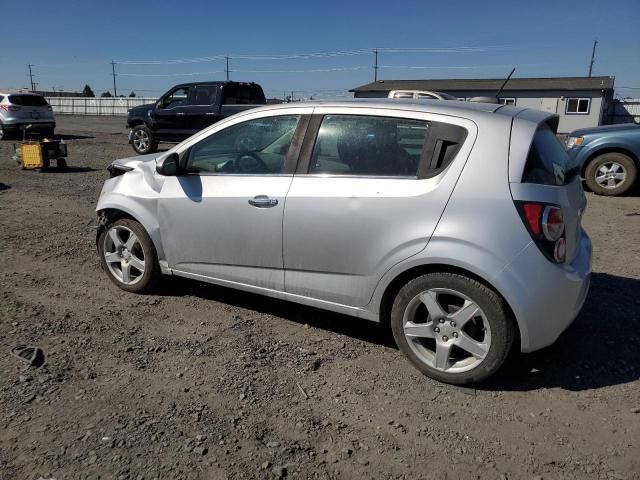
<point x="141" y="140"/>
<point x="447" y="330"/>
<point x="124" y="255"/>
<point x="610" y="175"/>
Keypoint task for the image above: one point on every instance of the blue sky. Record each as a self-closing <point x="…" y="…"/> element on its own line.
<point x="71" y="43"/>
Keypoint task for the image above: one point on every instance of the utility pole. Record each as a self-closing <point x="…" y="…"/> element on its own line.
<point x="593" y="56"/>
<point x="31" y="78"/>
<point x="375" y="67"/>
<point x="113" y="72"/>
<point x="227" y="69"/>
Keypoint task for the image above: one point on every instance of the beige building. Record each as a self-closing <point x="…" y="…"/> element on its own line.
<point x="579" y="101"/>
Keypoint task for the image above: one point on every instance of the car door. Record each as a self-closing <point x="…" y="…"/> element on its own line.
<point x="205" y="109"/>
<point x="169" y="118"/>
<point x="368" y="194"/>
<point x="222" y="219"/>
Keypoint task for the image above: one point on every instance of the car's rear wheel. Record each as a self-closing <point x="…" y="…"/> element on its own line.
<point x="3" y="133"/>
<point x="453" y="328"/>
<point x="128" y="255"/>
<point x="142" y="140"/>
<point x="611" y="174"/>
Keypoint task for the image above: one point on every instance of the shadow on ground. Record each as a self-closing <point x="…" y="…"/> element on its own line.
<point x="601" y="348"/>
<point x="65" y="136"/>
<point x="353" y="327"/>
<point x="67" y="169"/>
<point x="4" y="186"/>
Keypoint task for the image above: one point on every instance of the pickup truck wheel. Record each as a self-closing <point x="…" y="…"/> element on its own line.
<point x="142" y="140"/>
<point x="611" y="174"/>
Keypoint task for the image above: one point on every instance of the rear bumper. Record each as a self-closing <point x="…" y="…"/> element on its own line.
<point x="544" y="296"/>
<point x="35" y="125"/>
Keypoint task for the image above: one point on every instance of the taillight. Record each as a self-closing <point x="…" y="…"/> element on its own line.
<point x="546" y="226"/>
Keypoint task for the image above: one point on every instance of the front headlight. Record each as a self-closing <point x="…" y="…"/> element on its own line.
<point x="574" y="141"/>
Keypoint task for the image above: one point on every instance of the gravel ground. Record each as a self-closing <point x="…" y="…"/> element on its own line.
<point x="202" y="382"/>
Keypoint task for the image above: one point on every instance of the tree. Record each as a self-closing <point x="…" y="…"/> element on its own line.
<point x="106" y="94"/>
<point x="87" y="92"/>
<point x="132" y="94"/>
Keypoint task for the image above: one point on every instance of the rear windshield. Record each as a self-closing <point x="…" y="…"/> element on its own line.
<point x="28" y="100"/>
<point x="547" y="163"/>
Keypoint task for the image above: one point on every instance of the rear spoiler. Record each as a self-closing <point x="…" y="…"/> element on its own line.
<point x="523" y="129"/>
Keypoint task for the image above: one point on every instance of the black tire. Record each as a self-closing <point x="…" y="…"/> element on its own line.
<point x="4" y="135"/>
<point x="495" y="311"/>
<point x="151" y="274"/>
<point x="626" y="165"/>
<point x="142" y="140"/>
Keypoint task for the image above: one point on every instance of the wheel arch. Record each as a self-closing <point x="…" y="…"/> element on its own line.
<point x="109" y="214"/>
<point x="134" y="122"/>
<point x="409" y="274"/>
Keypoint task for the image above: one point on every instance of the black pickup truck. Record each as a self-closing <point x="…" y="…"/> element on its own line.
<point x="187" y="109"/>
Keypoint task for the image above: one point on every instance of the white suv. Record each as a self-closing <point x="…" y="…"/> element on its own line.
<point x="20" y="109"/>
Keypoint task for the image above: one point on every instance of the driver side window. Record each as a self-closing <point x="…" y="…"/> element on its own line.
<point x="176" y="98"/>
<point x="257" y="147"/>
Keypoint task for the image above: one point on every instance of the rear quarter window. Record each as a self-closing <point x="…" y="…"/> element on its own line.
<point x="28" y="100"/>
<point x="547" y="162"/>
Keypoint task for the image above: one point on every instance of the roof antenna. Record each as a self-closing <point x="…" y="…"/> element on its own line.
<point x="505" y="83"/>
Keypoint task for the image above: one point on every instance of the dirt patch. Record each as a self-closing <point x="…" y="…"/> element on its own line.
<point x="202" y="382"/>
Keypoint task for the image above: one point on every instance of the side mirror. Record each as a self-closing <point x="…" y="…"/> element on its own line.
<point x="168" y="165"/>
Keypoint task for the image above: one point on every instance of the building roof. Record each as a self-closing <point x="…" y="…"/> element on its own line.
<point x="551" y="83"/>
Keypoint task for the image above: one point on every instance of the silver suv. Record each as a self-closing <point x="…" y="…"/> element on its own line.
<point x="457" y="225"/>
<point x="17" y="110"/>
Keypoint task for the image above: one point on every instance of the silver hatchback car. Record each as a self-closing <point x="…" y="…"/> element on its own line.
<point x="457" y="225"/>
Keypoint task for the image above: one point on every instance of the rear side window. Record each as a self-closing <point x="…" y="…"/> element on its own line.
<point x="361" y="145"/>
<point x="368" y="146"/>
<point x="28" y="100"/>
<point x="205" y="95"/>
<point x="237" y="94"/>
<point x="547" y="162"/>
<point x="1" y="97"/>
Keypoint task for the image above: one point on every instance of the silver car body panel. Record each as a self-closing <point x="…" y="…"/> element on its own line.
<point x="338" y="242"/>
<point x="387" y="220"/>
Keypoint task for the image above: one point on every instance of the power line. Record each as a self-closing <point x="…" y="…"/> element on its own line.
<point x="295" y="56"/>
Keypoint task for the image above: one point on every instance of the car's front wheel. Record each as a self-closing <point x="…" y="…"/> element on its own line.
<point x="611" y="174"/>
<point x="142" y="140"/>
<point x="453" y="328"/>
<point x="128" y="256"/>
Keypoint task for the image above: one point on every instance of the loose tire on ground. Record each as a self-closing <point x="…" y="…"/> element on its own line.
<point x="453" y="293"/>
<point x="142" y="140"/>
<point x="611" y="174"/>
<point x="140" y="250"/>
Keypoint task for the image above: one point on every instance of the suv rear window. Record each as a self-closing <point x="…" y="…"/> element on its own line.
<point x="547" y="163"/>
<point x="28" y="100"/>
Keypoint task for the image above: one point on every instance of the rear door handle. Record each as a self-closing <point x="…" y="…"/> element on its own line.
<point x="262" y="201"/>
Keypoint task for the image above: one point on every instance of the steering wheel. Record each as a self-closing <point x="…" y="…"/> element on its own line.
<point x="259" y="167"/>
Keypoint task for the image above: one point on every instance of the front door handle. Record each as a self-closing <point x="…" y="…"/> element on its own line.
<point x="179" y="113"/>
<point x="262" y="201"/>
